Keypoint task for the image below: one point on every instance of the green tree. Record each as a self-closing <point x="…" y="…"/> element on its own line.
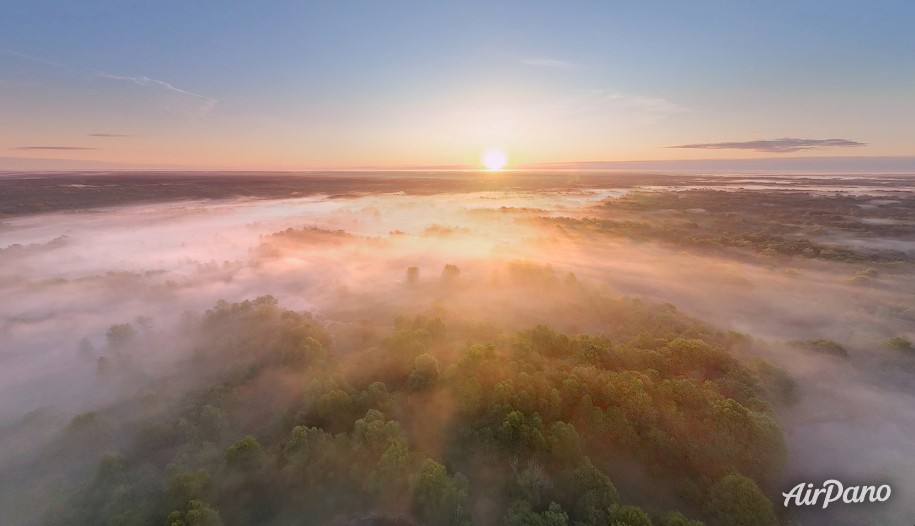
<point x="450" y="273"/>
<point x="425" y="373"/>
<point x="675" y="518"/>
<point x="521" y="513"/>
<point x="438" y="498"/>
<point x="629" y="516"/>
<point x="119" y="335"/>
<point x="470" y="394"/>
<point x="390" y="478"/>
<point x="564" y="443"/>
<point x="335" y="406"/>
<point x="373" y="434"/>
<point x="592" y="492"/>
<point x="735" y="500"/>
<point x="197" y="513"/>
<point x="521" y="434"/>
<point x="245" y="454"/>
<point x="186" y="487"/>
<point x="900" y="344"/>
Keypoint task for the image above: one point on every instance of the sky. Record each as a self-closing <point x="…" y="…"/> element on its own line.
<point x="384" y="83"/>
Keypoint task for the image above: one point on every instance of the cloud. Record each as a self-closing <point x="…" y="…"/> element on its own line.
<point x="786" y="145"/>
<point x="32" y="59"/>
<point x="652" y="105"/>
<point x="207" y="103"/>
<point x="546" y="62"/>
<point x="69" y="148"/>
<point x="602" y="106"/>
<point x="110" y="135"/>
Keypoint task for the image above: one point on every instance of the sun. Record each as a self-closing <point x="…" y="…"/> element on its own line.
<point x="494" y="159"/>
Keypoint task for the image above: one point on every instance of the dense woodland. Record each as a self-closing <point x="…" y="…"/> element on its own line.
<point x="768" y="223"/>
<point x="281" y="419"/>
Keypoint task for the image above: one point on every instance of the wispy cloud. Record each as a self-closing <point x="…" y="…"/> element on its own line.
<point x="648" y="104"/>
<point x="546" y="62"/>
<point x="207" y="103"/>
<point x="112" y="135"/>
<point x="65" y="148"/>
<point x="32" y="59"/>
<point x="786" y="145"/>
<point x="606" y="105"/>
<point x="204" y="105"/>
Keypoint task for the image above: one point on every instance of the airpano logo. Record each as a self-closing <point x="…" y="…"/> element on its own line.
<point x="834" y="491"/>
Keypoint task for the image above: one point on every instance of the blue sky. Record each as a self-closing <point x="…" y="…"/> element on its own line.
<point x="355" y="83"/>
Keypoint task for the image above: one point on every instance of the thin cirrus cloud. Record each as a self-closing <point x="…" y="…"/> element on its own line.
<point x="65" y="148"/>
<point x="605" y="106"/>
<point x="206" y="103"/>
<point x="786" y="145"/>
<point x="32" y="59"/>
<point x="546" y="62"/>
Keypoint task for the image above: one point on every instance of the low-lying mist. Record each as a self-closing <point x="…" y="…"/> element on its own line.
<point x="69" y="279"/>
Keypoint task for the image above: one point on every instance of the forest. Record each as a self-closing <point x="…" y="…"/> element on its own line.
<point x="771" y="224"/>
<point x="527" y="350"/>
<point x="433" y="423"/>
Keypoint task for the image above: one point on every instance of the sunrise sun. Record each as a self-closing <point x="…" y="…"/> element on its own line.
<point x="494" y="159"/>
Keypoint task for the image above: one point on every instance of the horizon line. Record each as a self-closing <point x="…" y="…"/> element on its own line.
<point x="602" y="165"/>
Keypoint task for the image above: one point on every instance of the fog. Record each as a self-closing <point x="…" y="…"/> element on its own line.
<point x="69" y="276"/>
